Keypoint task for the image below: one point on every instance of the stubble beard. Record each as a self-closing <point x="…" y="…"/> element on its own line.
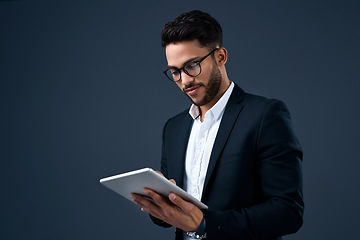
<point x="212" y="88"/>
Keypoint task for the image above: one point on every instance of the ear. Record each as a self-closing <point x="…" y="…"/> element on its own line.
<point x="221" y="56"/>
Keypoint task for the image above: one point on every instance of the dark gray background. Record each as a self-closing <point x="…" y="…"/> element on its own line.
<point x="82" y="96"/>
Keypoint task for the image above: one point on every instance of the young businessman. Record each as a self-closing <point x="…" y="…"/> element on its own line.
<point x="234" y="151"/>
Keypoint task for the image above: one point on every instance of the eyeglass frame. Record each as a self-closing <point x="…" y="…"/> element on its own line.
<point x="183" y="68"/>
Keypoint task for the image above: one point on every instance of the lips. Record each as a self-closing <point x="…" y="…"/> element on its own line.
<point x="192" y="90"/>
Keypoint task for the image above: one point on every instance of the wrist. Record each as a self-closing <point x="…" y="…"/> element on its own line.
<point x="200" y="233"/>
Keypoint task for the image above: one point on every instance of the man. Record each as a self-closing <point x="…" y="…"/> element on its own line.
<point x="234" y="151"/>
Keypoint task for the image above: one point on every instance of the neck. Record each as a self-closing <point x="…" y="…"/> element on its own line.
<point x="203" y="109"/>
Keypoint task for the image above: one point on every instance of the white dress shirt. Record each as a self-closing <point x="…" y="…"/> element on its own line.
<point x="201" y="141"/>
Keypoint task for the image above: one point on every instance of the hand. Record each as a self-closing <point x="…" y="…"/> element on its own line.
<point x="173" y="210"/>
<point x="171" y="180"/>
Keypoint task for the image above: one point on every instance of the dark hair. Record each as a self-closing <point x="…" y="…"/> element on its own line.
<point x="193" y="25"/>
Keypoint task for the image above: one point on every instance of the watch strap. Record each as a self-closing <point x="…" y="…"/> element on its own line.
<point x="200" y="232"/>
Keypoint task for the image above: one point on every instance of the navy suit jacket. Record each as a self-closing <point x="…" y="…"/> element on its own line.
<point x="253" y="185"/>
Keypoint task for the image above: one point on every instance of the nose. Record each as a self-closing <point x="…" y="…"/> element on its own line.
<point x="186" y="79"/>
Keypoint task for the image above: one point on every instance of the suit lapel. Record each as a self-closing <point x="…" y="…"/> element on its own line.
<point x="232" y="110"/>
<point x="179" y="163"/>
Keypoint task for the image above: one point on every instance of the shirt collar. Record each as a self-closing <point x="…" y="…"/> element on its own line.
<point x="218" y="109"/>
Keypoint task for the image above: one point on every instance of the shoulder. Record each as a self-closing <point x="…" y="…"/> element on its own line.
<point x="262" y="102"/>
<point x="178" y="120"/>
<point x="254" y="103"/>
<point x="180" y="117"/>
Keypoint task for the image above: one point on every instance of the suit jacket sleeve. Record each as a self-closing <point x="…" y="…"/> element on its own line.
<point x="163" y="171"/>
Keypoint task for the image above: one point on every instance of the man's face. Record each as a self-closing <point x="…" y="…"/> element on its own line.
<point x="200" y="89"/>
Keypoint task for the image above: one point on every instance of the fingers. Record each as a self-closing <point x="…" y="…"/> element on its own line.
<point x="146" y="205"/>
<point x="172" y="209"/>
<point x="160" y="173"/>
<point x="166" y="208"/>
<point x="158" y="199"/>
<point x="171" y="180"/>
<point x="181" y="203"/>
<point x="191" y="212"/>
<point x="158" y="206"/>
<point x="142" y="201"/>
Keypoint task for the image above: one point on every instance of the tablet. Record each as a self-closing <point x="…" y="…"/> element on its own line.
<point x="135" y="182"/>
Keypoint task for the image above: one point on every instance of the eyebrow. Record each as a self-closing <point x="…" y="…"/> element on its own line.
<point x="189" y="60"/>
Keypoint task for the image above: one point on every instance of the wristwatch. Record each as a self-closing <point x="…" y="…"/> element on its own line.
<point x="200" y="232"/>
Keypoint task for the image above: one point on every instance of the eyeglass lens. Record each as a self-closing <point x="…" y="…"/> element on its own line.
<point x="192" y="69"/>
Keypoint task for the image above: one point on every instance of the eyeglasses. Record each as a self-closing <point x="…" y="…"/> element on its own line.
<point x="192" y="69"/>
